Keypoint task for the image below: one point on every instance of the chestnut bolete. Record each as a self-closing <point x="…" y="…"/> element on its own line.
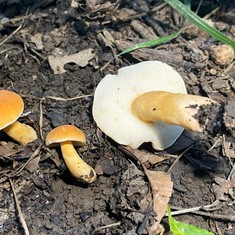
<point x="68" y="136"/>
<point x="146" y="102"/>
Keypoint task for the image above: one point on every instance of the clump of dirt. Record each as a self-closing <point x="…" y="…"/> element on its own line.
<point x="210" y="117"/>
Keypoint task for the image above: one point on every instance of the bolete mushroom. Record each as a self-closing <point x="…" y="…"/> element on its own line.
<point x="146" y="102"/>
<point x="68" y="136"/>
<point x="11" y="107"/>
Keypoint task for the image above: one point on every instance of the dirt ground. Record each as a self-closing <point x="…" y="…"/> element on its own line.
<point x="201" y="165"/>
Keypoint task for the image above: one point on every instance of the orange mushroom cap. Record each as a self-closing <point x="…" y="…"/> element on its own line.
<point x="65" y="133"/>
<point x="11" y="107"/>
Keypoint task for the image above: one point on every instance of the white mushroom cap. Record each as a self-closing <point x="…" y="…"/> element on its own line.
<point x="115" y="93"/>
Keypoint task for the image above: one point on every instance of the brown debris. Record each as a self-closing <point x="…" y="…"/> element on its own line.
<point x="143" y="30"/>
<point x="9" y="149"/>
<point x="210" y="117"/>
<point x="162" y="187"/>
<point x="229" y="116"/>
<point x="145" y="158"/>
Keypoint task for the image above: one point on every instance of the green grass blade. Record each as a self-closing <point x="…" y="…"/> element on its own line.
<point x="151" y="43"/>
<point x="192" y="17"/>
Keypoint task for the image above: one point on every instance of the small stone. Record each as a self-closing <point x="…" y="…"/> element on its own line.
<point x="84" y="215"/>
<point x="213" y="71"/>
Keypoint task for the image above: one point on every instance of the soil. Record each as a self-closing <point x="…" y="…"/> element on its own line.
<point x="51" y="200"/>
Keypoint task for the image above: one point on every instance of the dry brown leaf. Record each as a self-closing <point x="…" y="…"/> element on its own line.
<point x="145" y="158"/>
<point x="9" y="149"/>
<point x="223" y="187"/>
<point x="33" y="165"/>
<point x="81" y="58"/>
<point x="162" y="187"/>
<point x="37" y="40"/>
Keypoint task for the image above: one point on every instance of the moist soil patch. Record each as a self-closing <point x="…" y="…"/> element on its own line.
<point x="52" y="202"/>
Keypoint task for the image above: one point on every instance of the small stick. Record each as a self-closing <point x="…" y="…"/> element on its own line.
<point x="11" y="35"/>
<point x="178" y="158"/>
<point x="67" y="99"/>
<point x="108" y="226"/>
<point x="196" y="210"/>
<point x="41" y="118"/>
<point x="20" y="213"/>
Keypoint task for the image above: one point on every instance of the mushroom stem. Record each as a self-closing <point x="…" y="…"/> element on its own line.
<point x="172" y="108"/>
<point x="77" y="167"/>
<point x="21" y="133"/>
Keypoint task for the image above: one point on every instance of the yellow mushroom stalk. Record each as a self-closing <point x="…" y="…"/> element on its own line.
<point x="21" y="133"/>
<point x="77" y="167"/>
<point x="171" y="108"/>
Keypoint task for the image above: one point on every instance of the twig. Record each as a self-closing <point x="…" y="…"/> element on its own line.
<point x="214" y="145"/>
<point x="196" y="210"/>
<point x="231" y="173"/>
<point x="178" y="158"/>
<point x="108" y="226"/>
<point x="193" y="209"/>
<point x="35" y="153"/>
<point x="41" y="118"/>
<point x="12" y="34"/>
<point x="20" y="18"/>
<point x="20" y="213"/>
<point x="67" y="99"/>
<point x="10" y="48"/>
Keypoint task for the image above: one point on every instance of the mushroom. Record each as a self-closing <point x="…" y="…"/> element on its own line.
<point x="11" y="107"/>
<point x="68" y="136"/>
<point x="147" y="102"/>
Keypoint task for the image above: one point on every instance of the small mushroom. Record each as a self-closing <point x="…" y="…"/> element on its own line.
<point x="11" y="107"/>
<point x="68" y="136"/>
<point x="146" y="102"/>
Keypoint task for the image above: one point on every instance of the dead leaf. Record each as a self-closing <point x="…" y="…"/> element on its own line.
<point x="9" y="149"/>
<point x="81" y="58"/>
<point x="222" y="187"/>
<point x="145" y="158"/>
<point x="162" y="187"/>
<point x="37" y="40"/>
<point x="33" y="164"/>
